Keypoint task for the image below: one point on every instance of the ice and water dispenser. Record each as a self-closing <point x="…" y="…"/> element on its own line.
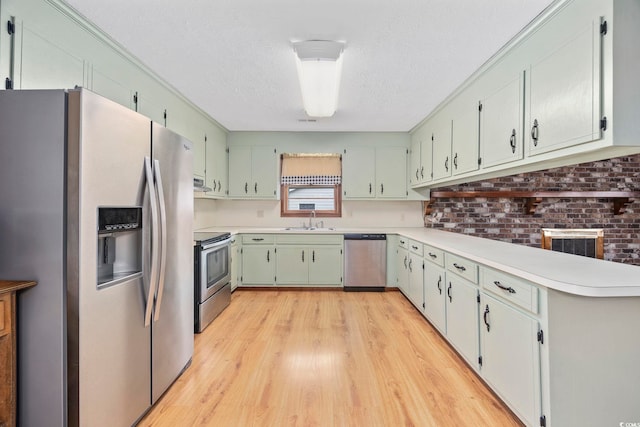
<point x="119" y="245"/>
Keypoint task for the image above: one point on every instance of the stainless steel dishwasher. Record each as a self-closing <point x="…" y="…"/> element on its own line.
<point x="365" y="262"/>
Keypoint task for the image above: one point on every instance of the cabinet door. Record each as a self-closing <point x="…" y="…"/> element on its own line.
<point x="264" y="173"/>
<point x="258" y="265"/>
<point x="501" y="124"/>
<point x="236" y="262"/>
<point x="239" y="171"/>
<point x="107" y="86"/>
<point x="441" y="139"/>
<point x="426" y="158"/>
<point x="465" y="139"/>
<point x="358" y="173"/>
<point x="200" y="157"/>
<point x="434" y="295"/>
<point x="391" y="173"/>
<point x="42" y="64"/>
<point x="416" y="160"/>
<point x="216" y="162"/>
<point x="292" y="265"/>
<point x="325" y="267"/>
<point x="462" y="318"/>
<point x="564" y="91"/>
<point x="511" y="356"/>
<point x="416" y="281"/>
<point x="402" y="269"/>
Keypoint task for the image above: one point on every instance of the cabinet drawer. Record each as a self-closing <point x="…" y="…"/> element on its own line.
<point x="462" y="267"/>
<point x="512" y="289"/>
<point x="403" y="242"/>
<point x="309" y="239"/>
<point x="434" y="255"/>
<point x="5" y="314"/>
<point x="415" y="247"/>
<point x="258" y="238"/>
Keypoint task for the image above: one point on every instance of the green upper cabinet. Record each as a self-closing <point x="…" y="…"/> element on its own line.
<point x="216" y="162"/>
<point x="253" y="172"/>
<point x="421" y="156"/>
<point x="441" y="139"/>
<point x="374" y="173"/>
<point x="563" y="90"/>
<point x="501" y="126"/>
<point x="465" y="138"/>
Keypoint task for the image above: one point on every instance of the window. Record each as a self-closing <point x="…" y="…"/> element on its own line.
<point x="311" y="182"/>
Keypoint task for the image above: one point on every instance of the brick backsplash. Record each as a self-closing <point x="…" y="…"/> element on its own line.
<point x="503" y="218"/>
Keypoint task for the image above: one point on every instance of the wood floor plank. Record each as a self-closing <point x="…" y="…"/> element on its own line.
<point x="306" y="358"/>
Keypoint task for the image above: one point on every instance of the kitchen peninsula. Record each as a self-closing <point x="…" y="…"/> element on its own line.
<point x="537" y="326"/>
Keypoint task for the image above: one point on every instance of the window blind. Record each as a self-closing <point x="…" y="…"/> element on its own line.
<point x="311" y="169"/>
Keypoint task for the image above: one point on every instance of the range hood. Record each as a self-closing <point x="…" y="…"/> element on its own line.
<point x="198" y="185"/>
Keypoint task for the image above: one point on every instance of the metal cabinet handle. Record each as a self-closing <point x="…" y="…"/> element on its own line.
<point x="268" y="260"/>
<point x="219" y="185"/>
<point x="405" y="261"/>
<point x="459" y="267"/>
<point x="455" y="161"/>
<point x="370" y="188"/>
<point x="433" y="256"/>
<point x="512" y="141"/>
<point x="302" y="256"/>
<point x="439" y="282"/>
<point x="313" y="256"/>
<point x="449" y="293"/>
<point x="417" y="171"/>
<point x="534" y="133"/>
<point x="257" y="239"/>
<point x="422" y="171"/>
<point x="381" y="188"/>
<point x="485" y="316"/>
<point x="246" y="187"/>
<point x="446" y="164"/>
<point x="255" y="188"/>
<point x="402" y="242"/>
<point x="415" y="248"/>
<point x="410" y="269"/>
<point x="504" y="288"/>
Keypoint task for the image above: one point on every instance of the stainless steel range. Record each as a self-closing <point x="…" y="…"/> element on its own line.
<point x="212" y="276"/>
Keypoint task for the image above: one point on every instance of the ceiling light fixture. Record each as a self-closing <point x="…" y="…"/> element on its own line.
<point x="319" y="64"/>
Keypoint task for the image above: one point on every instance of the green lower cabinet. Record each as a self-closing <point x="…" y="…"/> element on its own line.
<point x="325" y="267"/>
<point x="511" y="356"/>
<point x="292" y="265"/>
<point x="415" y="285"/>
<point x="258" y="265"/>
<point x="462" y="317"/>
<point x="435" y="295"/>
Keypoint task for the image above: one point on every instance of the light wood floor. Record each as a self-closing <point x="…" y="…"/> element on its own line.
<point x="325" y="358"/>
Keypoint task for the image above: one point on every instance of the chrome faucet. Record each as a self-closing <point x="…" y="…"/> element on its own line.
<point x="312" y="215"/>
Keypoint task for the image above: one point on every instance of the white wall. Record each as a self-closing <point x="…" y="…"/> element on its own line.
<point x="250" y="213"/>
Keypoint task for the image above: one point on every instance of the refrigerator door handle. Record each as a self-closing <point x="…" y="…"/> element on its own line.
<point x="163" y="237"/>
<point x="153" y="271"/>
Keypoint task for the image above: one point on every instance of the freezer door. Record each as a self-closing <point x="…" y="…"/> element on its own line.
<point x="109" y="357"/>
<point x="172" y="325"/>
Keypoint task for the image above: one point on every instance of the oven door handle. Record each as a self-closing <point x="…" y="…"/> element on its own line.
<point x="153" y="270"/>
<point x="224" y="242"/>
<point x="163" y="238"/>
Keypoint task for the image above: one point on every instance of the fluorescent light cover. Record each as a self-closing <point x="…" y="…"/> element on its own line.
<point x="319" y="64"/>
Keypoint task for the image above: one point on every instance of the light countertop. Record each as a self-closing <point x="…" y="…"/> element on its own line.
<point x="572" y="274"/>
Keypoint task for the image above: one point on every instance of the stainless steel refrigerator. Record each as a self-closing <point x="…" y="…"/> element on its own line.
<point x="96" y="204"/>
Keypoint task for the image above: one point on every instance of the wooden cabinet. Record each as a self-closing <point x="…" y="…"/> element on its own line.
<point x="374" y="173"/>
<point x="510" y="352"/>
<point x="8" y="361"/>
<point x="258" y="260"/>
<point x="253" y="172"/>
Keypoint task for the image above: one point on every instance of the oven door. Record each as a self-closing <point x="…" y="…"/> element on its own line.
<point x="215" y="269"/>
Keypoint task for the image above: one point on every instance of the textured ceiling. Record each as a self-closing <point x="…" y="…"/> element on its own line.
<point x="233" y="58"/>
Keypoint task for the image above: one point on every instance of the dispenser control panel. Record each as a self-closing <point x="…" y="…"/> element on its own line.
<point x="112" y="219"/>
